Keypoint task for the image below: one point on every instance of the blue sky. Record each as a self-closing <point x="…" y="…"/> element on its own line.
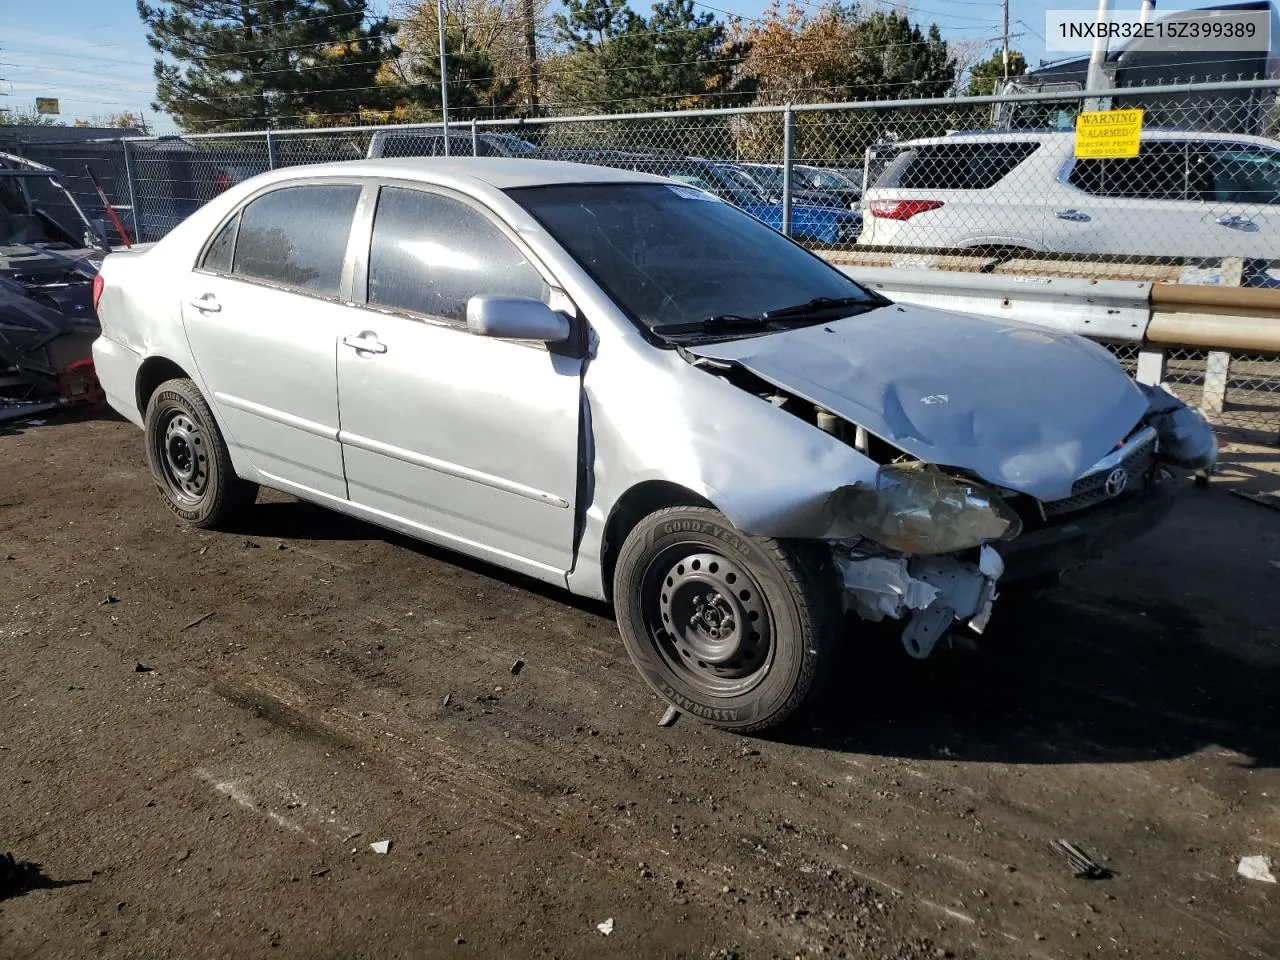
<point x="93" y="55"/>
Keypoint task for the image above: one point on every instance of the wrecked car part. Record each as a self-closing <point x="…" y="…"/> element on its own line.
<point x="1186" y="439"/>
<point x="918" y="509"/>
<point x="931" y="593"/>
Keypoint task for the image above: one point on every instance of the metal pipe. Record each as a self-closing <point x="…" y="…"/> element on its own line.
<point x="1148" y="8"/>
<point x="948" y="103"/>
<point x="133" y="190"/>
<point x="1097" y="78"/>
<point x="475" y="140"/>
<point x="271" y="152"/>
<point x="788" y="147"/>
<point x="444" y="78"/>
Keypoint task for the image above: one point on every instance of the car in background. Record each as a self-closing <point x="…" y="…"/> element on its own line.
<point x="226" y="175"/>
<point x="813" y="185"/>
<point x="48" y="269"/>
<point x="431" y="143"/>
<point x="623" y="386"/>
<point x="1186" y="194"/>
<point x="815" y="224"/>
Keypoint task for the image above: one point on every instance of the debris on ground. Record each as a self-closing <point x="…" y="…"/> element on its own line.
<point x="109" y="598"/>
<point x="1084" y="868"/>
<point x="1256" y="867"/>
<point x="323" y="872"/>
<point x="380" y="846"/>
<point x="447" y="698"/>
<point x="143" y="668"/>
<point x="198" y="620"/>
<point x="517" y="667"/>
<point x="606" y="928"/>
<point x="1261" y="499"/>
<point x="670" y="717"/>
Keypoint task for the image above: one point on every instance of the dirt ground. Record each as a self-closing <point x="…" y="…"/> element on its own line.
<point x="210" y="787"/>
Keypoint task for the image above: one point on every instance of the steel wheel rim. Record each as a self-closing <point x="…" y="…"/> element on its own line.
<point x="183" y="456"/>
<point x="707" y="619"/>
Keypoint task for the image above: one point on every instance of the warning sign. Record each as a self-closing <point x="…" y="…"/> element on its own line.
<point x="1108" y="134"/>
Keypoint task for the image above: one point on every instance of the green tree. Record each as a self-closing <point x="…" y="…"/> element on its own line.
<point x="250" y="64"/>
<point x="475" y="89"/>
<point x="28" y="117"/>
<point x="984" y="76"/>
<point x="593" y="23"/>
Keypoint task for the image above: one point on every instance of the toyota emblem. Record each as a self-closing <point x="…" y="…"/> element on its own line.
<point x="1116" y="481"/>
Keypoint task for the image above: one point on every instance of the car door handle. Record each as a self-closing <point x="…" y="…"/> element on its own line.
<point x="207" y="303"/>
<point x="1078" y="216"/>
<point x="367" y="342"/>
<point x="1236" y="222"/>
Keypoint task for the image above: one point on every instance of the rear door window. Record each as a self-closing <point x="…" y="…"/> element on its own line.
<point x="430" y="254"/>
<point x="297" y="237"/>
<point x="1158" y="172"/>
<point x="955" y="166"/>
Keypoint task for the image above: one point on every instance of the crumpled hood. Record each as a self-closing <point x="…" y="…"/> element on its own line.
<point x="1024" y="407"/>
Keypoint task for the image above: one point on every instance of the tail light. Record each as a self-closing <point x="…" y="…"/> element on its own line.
<point x="902" y="209"/>
<point x="98" y="285"/>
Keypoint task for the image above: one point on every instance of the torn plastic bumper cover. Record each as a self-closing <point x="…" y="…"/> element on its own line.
<point x="924" y="517"/>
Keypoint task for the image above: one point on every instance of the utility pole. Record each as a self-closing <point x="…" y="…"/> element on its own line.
<point x="1097" y="78"/>
<point x="531" y="53"/>
<point x="1148" y="8"/>
<point x="444" y="78"/>
<point x="1005" y="49"/>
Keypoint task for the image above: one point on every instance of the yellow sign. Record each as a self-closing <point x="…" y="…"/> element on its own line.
<point x="46" y="105"/>
<point x="1108" y="134"/>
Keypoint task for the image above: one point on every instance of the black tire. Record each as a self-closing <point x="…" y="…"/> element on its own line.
<point x="683" y="574"/>
<point x="189" y="459"/>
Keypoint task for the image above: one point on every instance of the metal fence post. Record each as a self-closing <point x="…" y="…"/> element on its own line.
<point x="1217" y="372"/>
<point x="271" y="151"/>
<point x="475" y="140"/>
<point x="1152" y="364"/>
<point x="133" y="192"/>
<point x="788" y="147"/>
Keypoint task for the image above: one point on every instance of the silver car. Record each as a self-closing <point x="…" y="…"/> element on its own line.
<point x="621" y="385"/>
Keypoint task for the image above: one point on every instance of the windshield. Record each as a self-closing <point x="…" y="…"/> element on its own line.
<point x="744" y="179"/>
<point x="670" y="255"/>
<point x="820" y="179"/>
<point x="768" y="177"/>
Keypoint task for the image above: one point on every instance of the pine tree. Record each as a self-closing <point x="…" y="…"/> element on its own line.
<point x="593" y="23"/>
<point x="475" y="90"/>
<point x="984" y="76"/>
<point x="252" y="64"/>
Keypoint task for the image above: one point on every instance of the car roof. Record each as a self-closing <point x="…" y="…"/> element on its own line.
<point x="502" y="173"/>
<point x="1017" y="136"/>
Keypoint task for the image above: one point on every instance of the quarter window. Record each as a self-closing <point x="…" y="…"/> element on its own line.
<point x="218" y="257"/>
<point x="431" y="254"/>
<point x="955" y="165"/>
<point x="1236" y="173"/>
<point x="297" y="236"/>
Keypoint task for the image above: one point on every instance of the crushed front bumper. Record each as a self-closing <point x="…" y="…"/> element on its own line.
<point x="1075" y="541"/>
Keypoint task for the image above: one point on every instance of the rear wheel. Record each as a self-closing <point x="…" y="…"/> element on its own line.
<point x="733" y="629"/>
<point x="189" y="458"/>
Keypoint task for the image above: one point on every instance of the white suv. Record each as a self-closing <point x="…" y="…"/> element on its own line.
<point x="1184" y="195"/>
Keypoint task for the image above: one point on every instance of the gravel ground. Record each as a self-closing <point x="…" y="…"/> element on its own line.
<point x="201" y="734"/>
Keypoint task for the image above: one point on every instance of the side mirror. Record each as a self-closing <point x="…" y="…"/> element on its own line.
<point x="515" y="318"/>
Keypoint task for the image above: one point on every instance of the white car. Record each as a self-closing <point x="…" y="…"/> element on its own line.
<point x="1184" y="195"/>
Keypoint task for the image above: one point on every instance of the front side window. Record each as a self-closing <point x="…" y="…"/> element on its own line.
<point x="297" y="236"/>
<point x="431" y="254"/>
<point x="669" y="255"/>
<point x="1236" y="173"/>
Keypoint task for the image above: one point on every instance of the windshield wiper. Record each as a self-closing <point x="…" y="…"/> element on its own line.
<point x="817" y="305"/>
<point x="721" y="321"/>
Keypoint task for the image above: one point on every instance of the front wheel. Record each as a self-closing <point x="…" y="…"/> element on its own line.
<point x="189" y="458"/>
<point x="733" y="629"/>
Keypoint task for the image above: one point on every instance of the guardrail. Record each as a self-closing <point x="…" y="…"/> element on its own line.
<point x="1224" y="339"/>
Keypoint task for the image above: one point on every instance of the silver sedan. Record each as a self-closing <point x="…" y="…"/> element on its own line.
<point x="618" y="384"/>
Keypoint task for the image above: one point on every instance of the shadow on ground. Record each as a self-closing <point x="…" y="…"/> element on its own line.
<point x="20" y="876"/>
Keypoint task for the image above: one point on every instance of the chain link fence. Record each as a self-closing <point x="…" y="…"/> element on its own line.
<point x="983" y="184"/>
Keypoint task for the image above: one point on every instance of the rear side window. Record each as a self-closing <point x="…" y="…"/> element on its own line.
<point x="297" y="236"/>
<point x="1158" y="172"/>
<point x="431" y="254"/>
<point x="955" y="166"/>
<point x="218" y="257"/>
